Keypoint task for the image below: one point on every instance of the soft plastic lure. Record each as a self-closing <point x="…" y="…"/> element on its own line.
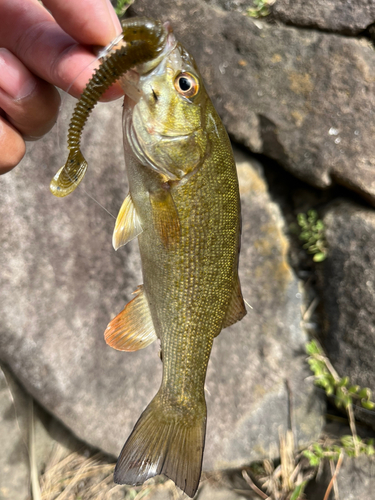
<point x="145" y="39"/>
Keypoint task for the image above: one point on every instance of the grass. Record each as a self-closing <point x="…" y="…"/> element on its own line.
<point x="285" y="480"/>
<point x="81" y="477"/>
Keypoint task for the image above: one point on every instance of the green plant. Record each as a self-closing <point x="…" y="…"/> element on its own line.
<point x="340" y="388"/>
<point x="260" y="9"/>
<point x="345" y="395"/>
<point x="312" y="233"/>
<point x="121" y="6"/>
<point x="351" y="446"/>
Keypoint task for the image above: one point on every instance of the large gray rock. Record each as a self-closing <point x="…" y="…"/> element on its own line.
<point x="304" y="98"/>
<point x="348" y="18"/>
<point x="347" y="283"/>
<point x="61" y="282"/>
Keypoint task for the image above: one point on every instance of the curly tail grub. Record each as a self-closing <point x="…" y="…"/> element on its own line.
<point x="145" y="40"/>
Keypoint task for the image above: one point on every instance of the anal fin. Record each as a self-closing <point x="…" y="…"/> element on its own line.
<point x="128" y="225"/>
<point x="165" y="217"/>
<point x="133" y="328"/>
<point x="236" y="308"/>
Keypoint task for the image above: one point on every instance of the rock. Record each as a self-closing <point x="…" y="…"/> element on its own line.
<point x="236" y="5"/>
<point x="356" y="479"/>
<point x="18" y="415"/>
<point x="271" y="330"/>
<point x="60" y="250"/>
<point x="347" y="18"/>
<point x="209" y="492"/>
<point x="303" y="98"/>
<point x="61" y="282"/>
<point x="347" y="284"/>
<point x="14" y="462"/>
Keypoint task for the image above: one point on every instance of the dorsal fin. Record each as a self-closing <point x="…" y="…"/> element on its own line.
<point x="133" y="328"/>
<point x="236" y="309"/>
<point x="128" y="225"/>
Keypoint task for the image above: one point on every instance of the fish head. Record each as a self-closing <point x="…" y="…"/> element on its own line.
<point x="164" y="113"/>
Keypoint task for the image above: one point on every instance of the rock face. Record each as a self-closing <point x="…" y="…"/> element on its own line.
<point x="61" y="283"/>
<point x="347" y="283"/>
<point x="347" y="18"/>
<point x="303" y="98"/>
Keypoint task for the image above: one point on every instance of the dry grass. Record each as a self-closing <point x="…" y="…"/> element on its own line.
<point x="287" y="480"/>
<point x="81" y="477"/>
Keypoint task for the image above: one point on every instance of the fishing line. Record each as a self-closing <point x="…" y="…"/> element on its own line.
<point x="103" y="52"/>
<point x="248" y="305"/>
<point x="96" y="201"/>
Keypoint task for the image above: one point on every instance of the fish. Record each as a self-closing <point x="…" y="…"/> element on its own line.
<point x="142" y="40"/>
<point x="183" y="206"/>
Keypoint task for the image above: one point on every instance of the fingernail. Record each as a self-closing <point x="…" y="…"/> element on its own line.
<point x="15" y="79"/>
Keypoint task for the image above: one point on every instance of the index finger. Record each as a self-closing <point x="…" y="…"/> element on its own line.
<point x="90" y="22"/>
<point x="30" y="32"/>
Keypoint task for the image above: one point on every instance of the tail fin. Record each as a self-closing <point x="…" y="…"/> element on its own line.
<point x="164" y="441"/>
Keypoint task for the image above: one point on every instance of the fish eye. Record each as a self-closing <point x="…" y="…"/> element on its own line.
<point x="186" y="84"/>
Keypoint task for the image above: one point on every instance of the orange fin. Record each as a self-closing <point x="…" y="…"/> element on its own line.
<point x="236" y="309"/>
<point x="128" y="225"/>
<point x="133" y="328"/>
<point x="164" y="441"/>
<point x="165" y="217"/>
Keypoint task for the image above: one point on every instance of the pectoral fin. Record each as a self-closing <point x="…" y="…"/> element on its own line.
<point x="236" y="309"/>
<point x="165" y="217"/>
<point x="128" y="225"/>
<point x="133" y="328"/>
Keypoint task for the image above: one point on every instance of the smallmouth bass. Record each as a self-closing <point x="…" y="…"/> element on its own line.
<point x="184" y="207"/>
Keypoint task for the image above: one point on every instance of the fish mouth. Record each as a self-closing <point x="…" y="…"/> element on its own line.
<point x="129" y="81"/>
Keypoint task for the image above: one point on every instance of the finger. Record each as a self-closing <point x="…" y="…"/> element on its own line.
<point x="39" y="42"/>
<point x="31" y="105"/>
<point x="12" y="146"/>
<point x="90" y="22"/>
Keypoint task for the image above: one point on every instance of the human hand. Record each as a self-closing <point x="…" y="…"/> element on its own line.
<point x="38" y="51"/>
